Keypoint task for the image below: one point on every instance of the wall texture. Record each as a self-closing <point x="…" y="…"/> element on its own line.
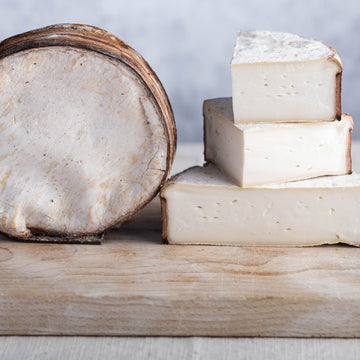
<point x="189" y="43"/>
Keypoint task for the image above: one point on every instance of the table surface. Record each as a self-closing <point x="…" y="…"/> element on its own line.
<point x="57" y="347"/>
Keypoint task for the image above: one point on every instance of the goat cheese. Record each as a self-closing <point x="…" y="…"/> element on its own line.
<point x="203" y="206"/>
<point x="258" y="154"/>
<point x="281" y="77"/>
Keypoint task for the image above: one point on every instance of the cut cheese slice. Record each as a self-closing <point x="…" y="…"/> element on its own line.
<point x="282" y="77"/>
<point x="258" y="154"/>
<point x="203" y="206"/>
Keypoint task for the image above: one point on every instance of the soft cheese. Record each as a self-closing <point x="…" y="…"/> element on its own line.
<point x="281" y="77"/>
<point x="87" y="133"/>
<point x="203" y="206"/>
<point x="257" y="154"/>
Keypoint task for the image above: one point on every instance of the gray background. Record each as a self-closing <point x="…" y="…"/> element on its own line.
<point x="189" y="43"/>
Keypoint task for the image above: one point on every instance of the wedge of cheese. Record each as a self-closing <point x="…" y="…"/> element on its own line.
<point x="282" y="77"/>
<point x="203" y="206"/>
<point x="258" y="154"/>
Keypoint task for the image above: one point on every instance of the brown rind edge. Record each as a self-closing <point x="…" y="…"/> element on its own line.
<point x="205" y="102"/>
<point x="164" y="221"/>
<point x="101" y="41"/>
<point x="348" y="152"/>
<point x="96" y="239"/>
<point x="338" y="89"/>
<point x="338" y="85"/>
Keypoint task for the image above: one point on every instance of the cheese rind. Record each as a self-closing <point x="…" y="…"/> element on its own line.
<point x="203" y="206"/>
<point x="280" y="77"/>
<point x="257" y="154"/>
<point x="88" y="134"/>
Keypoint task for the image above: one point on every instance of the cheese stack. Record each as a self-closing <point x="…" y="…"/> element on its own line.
<point x="283" y="123"/>
<point x="281" y="127"/>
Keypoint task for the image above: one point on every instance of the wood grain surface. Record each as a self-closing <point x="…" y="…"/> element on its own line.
<point x="134" y="285"/>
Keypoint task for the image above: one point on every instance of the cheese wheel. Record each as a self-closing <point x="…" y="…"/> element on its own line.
<point x="88" y="134"/>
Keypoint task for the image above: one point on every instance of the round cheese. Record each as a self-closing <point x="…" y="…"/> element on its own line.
<point x="87" y="132"/>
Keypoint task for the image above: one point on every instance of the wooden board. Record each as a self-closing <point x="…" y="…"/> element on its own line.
<point x="134" y="285"/>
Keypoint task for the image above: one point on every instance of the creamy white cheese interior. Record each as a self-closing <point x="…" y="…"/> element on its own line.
<point x="281" y="77"/>
<point x="205" y="207"/>
<point x="257" y="154"/>
<point x="82" y="143"/>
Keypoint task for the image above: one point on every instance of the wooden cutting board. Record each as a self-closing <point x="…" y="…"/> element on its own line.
<point x="134" y="285"/>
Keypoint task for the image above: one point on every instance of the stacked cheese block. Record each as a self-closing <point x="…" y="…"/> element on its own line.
<point x="271" y="149"/>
